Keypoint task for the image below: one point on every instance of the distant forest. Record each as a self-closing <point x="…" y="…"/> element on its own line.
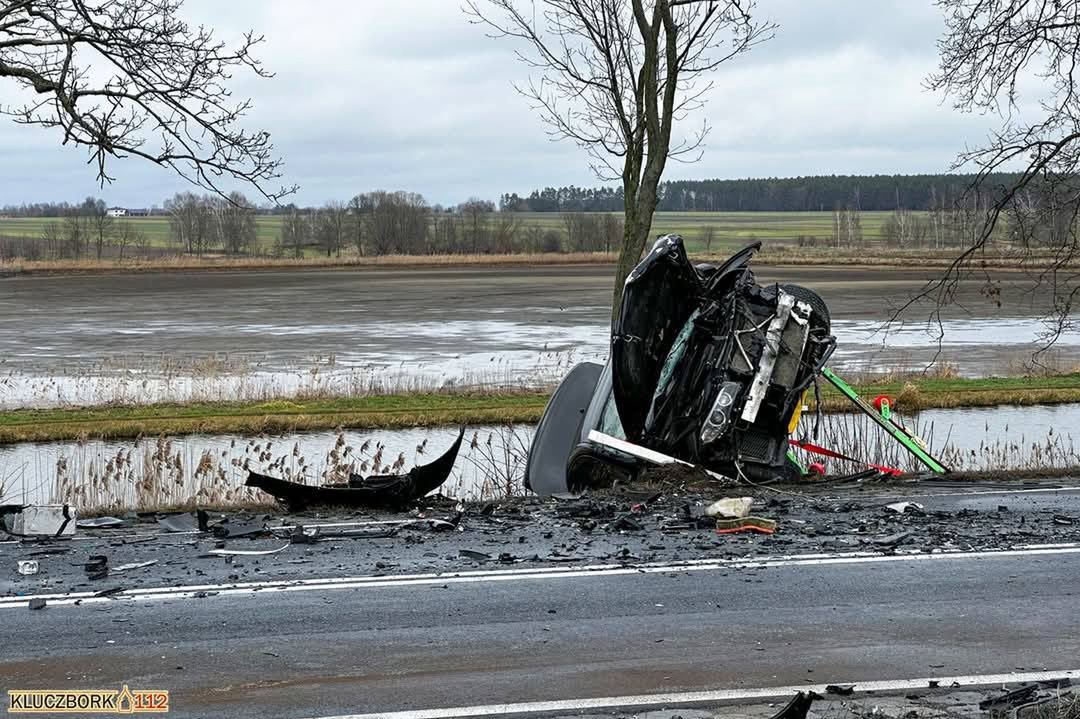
<point x="785" y="194"/>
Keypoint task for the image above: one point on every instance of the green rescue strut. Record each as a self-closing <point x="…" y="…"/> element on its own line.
<point x="899" y="433"/>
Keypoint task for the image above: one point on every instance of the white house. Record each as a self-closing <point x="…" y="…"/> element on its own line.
<point x="116" y="212"/>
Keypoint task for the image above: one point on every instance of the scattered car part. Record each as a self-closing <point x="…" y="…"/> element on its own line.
<point x="246" y="552"/>
<point x="27" y="567"/>
<point x="134" y="565"/>
<point x="559" y="430"/>
<point x="797" y="708"/>
<point x="644" y="453"/>
<point x="96" y="566"/>
<point x="1011" y="698"/>
<point x="759" y="525"/>
<point x="391" y="490"/>
<point x="100" y="523"/>
<point x="902" y="507"/>
<point x="36" y="603"/>
<point x="729" y="508"/>
<point x="40" y="520"/>
<point x="185" y="522"/>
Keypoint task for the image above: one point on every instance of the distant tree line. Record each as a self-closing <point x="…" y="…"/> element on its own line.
<point x="792" y="194"/>
<point x="387" y="223"/>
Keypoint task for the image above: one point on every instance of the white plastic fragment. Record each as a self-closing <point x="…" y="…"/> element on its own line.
<point x="730" y="508"/>
<point x="901" y="507"/>
<point x="28" y="567"/>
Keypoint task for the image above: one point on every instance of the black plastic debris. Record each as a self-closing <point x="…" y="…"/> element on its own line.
<point x="1020" y="695"/>
<point x="97" y="567"/>
<point x="389" y="490"/>
<point x="474" y="555"/>
<point x="626" y="523"/>
<point x="797" y="708"/>
<point x="236" y="529"/>
<point x="843" y="690"/>
<point x="893" y="540"/>
<point x="184" y="522"/>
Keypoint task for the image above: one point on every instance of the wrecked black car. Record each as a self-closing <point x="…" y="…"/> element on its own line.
<point x="707" y="367"/>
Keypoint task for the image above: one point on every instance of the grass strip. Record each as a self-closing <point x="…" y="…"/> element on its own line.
<point x="416" y="410"/>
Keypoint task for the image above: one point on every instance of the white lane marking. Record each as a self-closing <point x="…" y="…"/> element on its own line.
<point x="718" y="695"/>
<point x="974" y="493"/>
<point x="502" y="575"/>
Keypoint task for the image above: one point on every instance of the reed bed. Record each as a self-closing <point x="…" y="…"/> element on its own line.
<point x="159" y="472"/>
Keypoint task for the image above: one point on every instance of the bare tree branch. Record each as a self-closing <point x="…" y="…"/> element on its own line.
<point x="129" y="78"/>
<point x="616" y="76"/>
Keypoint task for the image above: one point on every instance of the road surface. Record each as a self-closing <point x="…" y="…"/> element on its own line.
<point x="337" y="644"/>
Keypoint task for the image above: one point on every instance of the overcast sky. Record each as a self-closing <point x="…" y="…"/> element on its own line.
<point x="405" y="94"/>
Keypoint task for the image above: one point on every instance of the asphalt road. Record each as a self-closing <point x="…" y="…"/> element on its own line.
<point x="409" y="642"/>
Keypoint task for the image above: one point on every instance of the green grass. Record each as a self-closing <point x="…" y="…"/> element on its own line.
<point x="733" y="229"/>
<point x="410" y="410"/>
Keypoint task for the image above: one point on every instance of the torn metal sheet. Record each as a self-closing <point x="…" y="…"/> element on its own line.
<point x="185" y="522"/>
<point x="134" y="565"/>
<point x="41" y="520"/>
<point x="396" y="490"/>
<point x="100" y="523"/>
<point x="247" y="552"/>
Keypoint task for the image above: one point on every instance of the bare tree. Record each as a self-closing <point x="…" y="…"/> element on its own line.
<point x="994" y="56"/>
<point x="102" y="226"/>
<point x="235" y="218"/>
<point x="130" y="78"/>
<point x="331" y="231"/>
<point x="707" y="236"/>
<point x="190" y="222"/>
<point x="615" y="76"/>
<point x="127" y="235"/>
<point x="295" y="233"/>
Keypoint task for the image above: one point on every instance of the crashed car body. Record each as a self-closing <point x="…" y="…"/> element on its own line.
<point x="707" y="366"/>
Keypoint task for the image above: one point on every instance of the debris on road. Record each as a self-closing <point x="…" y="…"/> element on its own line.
<point x="37" y="603"/>
<point x="843" y="690"/>
<point x="39" y="520"/>
<point x="184" y="522"/>
<point x="27" y="567"/>
<point x="797" y="708"/>
<point x="759" y="525"/>
<point x="730" y="508"/>
<point x="1010" y="699"/>
<point x="246" y="552"/>
<point x="101" y="523"/>
<point x="389" y="490"/>
<point x="97" y="567"/>
<point x="902" y="507"/>
<point x="134" y="565"/>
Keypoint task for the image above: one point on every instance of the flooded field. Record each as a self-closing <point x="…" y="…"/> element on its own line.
<point x="140" y="338"/>
<point x="212" y="469"/>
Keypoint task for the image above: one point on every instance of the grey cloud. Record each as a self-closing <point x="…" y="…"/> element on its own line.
<point x="385" y="94"/>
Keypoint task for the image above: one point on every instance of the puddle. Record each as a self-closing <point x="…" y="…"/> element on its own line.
<point x="376" y="356"/>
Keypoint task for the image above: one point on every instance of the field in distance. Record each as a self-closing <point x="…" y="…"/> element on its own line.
<point x="731" y="229"/>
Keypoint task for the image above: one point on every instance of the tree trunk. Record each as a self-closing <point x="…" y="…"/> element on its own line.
<point x="635" y="238"/>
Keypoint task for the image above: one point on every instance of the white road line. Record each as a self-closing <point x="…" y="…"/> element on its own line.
<point x="719" y="695"/>
<point x="974" y="493"/>
<point x="521" y="574"/>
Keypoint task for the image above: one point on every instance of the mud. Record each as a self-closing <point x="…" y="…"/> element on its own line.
<point x="172" y="336"/>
